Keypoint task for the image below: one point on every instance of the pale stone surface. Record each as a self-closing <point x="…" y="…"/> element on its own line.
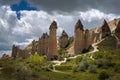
<point x="117" y="30"/>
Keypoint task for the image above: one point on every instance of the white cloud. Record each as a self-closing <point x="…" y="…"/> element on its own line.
<point x="94" y="14"/>
<point x="33" y="23"/>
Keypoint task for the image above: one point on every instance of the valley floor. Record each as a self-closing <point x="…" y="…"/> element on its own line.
<point x="94" y="65"/>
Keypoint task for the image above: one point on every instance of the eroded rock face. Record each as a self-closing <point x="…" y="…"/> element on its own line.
<point x="43" y="44"/>
<point x="117" y="30"/>
<point x="105" y="30"/>
<point x="52" y="45"/>
<point x="34" y="47"/>
<point x="15" y="50"/>
<point x="79" y="25"/>
<point x="78" y="38"/>
<point x="63" y="40"/>
<point x="87" y="39"/>
<point x="19" y="53"/>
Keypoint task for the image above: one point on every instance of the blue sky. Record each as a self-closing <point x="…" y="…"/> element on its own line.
<point x="22" y="5"/>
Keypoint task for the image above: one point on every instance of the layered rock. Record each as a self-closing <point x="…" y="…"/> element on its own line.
<point x="52" y="45"/>
<point x="78" y="38"/>
<point x="105" y="29"/>
<point x="63" y="40"/>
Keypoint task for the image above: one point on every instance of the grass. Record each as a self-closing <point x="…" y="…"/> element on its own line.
<point x="108" y="44"/>
<point x="37" y="65"/>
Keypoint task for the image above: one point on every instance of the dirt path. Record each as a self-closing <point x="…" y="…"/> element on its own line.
<point x="58" y="63"/>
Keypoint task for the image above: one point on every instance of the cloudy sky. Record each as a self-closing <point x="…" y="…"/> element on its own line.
<point x="21" y="21"/>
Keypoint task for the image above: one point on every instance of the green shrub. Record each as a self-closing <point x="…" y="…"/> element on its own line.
<point x="117" y="68"/>
<point x="104" y="63"/>
<point x="92" y="68"/>
<point x="103" y="75"/>
<point x="36" y="59"/>
<point x="82" y="67"/>
<point x="78" y="59"/>
<point x="75" y="68"/>
<point x="22" y="73"/>
<point x="98" y="55"/>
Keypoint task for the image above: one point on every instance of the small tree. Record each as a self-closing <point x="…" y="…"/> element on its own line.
<point x="36" y="59"/>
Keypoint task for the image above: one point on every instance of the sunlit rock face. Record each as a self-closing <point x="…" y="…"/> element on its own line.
<point x="78" y="38"/>
<point x="117" y="30"/>
<point x="52" y="45"/>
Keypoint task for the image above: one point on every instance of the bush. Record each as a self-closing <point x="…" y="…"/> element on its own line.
<point x="85" y="63"/>
<point x="36" y="59"/>
<point x="103" y="75"/>
<point x="75" y="68"/>
<point x="78" y="59"/>
<point x="22" y="73"/>
<point x="104" y="63"/>
<point x="98" y="55"/>
<point x="82" y="67"/>
<point x="117" y="68"/>
<point x="92" y="68"/>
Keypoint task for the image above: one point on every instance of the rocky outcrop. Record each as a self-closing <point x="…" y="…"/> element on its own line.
<point x="15" y="50"/>
<point x="82" y="39"/>
<point x="95" y="35"/>
<point x="63" y="40"/>
<point x="78" y="38"/>
<point x="52" y="45"/>
<point x="34" y="47"/>
<point x="43" y="44"/>
<point x="19" y="53"/>
<point x="105" y="29"/>
<point x="113" y="24"/>
<point x="117" y="30"/>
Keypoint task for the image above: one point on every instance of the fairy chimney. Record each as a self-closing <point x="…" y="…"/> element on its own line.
<point x="78" y="38"/>
<point x="52" y="45"/>
<point x="105" y="29"/>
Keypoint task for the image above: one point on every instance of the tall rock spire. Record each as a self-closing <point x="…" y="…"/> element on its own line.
<point x="52" y="45"/>
<point x="78" y="25"/>
<point x="78" y="38"/>
<point x="105" y="29"/>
